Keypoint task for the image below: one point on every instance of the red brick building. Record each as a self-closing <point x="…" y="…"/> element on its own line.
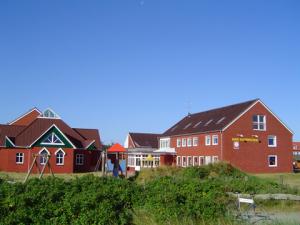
<point x="46" y="134"/>
<point x="248" y="135"/>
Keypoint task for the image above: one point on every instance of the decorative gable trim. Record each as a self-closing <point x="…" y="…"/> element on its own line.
<point x="90" y="144"/>
<point x="250" y="107"/>
<point x="54" y="126"/>
<point x="9" y="141"/>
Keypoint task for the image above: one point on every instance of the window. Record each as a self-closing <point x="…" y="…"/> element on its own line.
<point x="207" y="140"/>
<point x="215" y="159"/>
<point x="52" y="139"/>
<point x="178" y="161"/>
<point x="295" y="147"/>
<point x="79" y="159"/>
<point x="183" y="142"/>
<point x="49" y="113"/>
<point x="215" y="139"/>
<point x="208" y="122"/>
<point x="187" y="126"/>
<point x="60" y="157"/>
<point x="43" y="156"/>
<point x="165" y="143"/>
<point x="272" y="141"/>
<point x="207" y="160"/>
<point x="178" y="142"/>
<point x="131" y="160"/>
<point x="19" y="158"/>
<point x="259" y="122"/>
<point x="196" y="162"/>
<point x="197" y="124"/>
<point x="201" y="160"/>
<point x="190" y="162"/>
<point x="189" y="142"/>
<point x="221" y="120"/>
<point x="195" y="141"/>
<point x="138" y="161"/>
<point x="183" y="161"/>
<point x="272" y="160"/>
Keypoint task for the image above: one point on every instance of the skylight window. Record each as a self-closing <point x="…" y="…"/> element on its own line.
<point x="52" y="139"/>
<point x="197" y="124"/>
<point x="208" y="122"/>
<point x="49" y="113"/>
<point x="174" y="128"/>
<point x="221" y="120"/>
<point x="187" y="126"/>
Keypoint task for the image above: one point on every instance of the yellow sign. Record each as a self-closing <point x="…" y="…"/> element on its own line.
<point x="254" y="140"/>
<point x="149" y="158"/>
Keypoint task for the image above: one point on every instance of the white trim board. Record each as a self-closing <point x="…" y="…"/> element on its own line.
<point x="74" y="147"/>
<point x="250" y="107"/>
<point x="20" y="117"/>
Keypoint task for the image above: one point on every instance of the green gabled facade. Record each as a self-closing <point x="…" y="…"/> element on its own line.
<point x="41" y="141"/>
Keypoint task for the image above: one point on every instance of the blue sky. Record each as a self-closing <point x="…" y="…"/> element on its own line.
<point x="141" y="65"/>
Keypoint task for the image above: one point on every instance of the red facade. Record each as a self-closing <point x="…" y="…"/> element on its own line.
<point x="255" y="151"/>
<point x="34" y="134"/>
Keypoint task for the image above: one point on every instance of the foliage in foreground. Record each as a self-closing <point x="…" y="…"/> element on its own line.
<point x="166" y="195"/>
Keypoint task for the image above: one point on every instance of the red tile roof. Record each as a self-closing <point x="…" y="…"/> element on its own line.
<point x="10" y="131"/>
<point x="90" y="134"/>
<point x="142" y="140"/>
<point x="212" y="120"/>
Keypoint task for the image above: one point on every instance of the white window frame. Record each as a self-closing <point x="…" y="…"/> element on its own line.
<point x="215" y="159"/>
<point x="178" y="161"/>
<point x="52" y="138"/>
<point x="44" y="158"/>
<point x="276" y="160"/>
<point x="208" y="160"/>
<point x="79" y="159"/>
<point x="164" y="143"/>
<point x="258" y="123"/>
<point x="201" y="158"/>
<point x="184" y="161"/>
<point x="178" y="142"/>
<point x="207" y="140"/>
<point x="189" y="159"/>
<point x="215" y="137"/>
<point x="195" y="157"/>
<point x="189" y="142"/>
<point x="19" y="158"/>
<point x="62" y="158"/>
<point x="195" y="141"/>
<point x="183" y="143"/>
<point x="274" y="137"/>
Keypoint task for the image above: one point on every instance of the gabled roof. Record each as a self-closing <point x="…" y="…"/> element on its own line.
<point x="11" y="131"/>
<point x="116" y="148"/>
<point x="26" y="118"/>
<point x="25" y="136"/>
<point x="212" y="120"/>
<point x="144" y="140"/>
<point x="90" y="135"/>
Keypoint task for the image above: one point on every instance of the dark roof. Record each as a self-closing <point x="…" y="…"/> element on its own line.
<point x="212" y="120"/>
<point x="24" y="136"/>
<point x="41" y="125"/>
<point x="145" y="140"/>
<point x="90" y="135"/>
<point x="10" y="131"/>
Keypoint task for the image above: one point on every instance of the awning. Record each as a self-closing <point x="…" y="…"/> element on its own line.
<point x="166" y="151"/>
<point x="116" y="148"/>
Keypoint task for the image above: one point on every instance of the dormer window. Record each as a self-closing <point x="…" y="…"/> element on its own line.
<point x="259" y="122"/>
<point x="49" y="113"/>
<point x="52" y="139"/>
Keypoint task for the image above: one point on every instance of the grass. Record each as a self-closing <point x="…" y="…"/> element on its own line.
<point x="20" y="177"/>
<point x="290" y="179"/>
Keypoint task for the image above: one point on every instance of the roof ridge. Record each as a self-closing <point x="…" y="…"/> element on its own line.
<point x="228" y="106"/>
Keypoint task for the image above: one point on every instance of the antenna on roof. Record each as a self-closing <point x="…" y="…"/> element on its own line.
<point x="189" y="107"/>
